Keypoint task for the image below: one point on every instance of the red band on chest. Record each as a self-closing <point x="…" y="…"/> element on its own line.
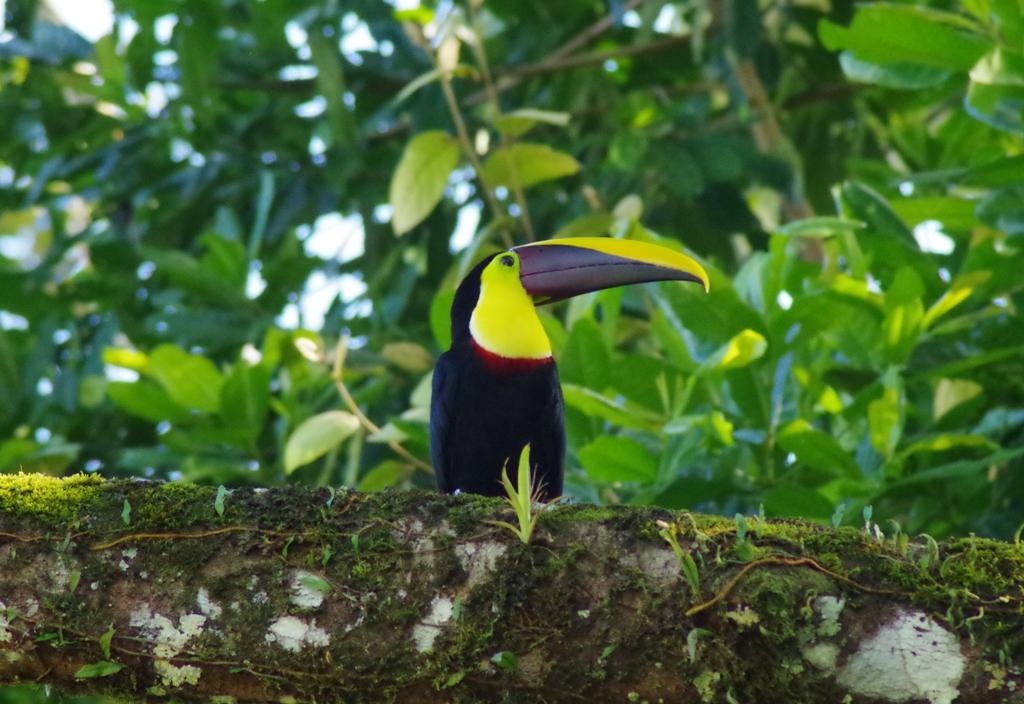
<point x="509" y="365"/>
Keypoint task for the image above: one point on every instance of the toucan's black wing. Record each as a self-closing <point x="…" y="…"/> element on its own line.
<point x="548" y="452"/>
<point x="442" y="402"/>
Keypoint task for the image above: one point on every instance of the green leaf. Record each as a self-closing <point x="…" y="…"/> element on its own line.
<point x="1003" y="209"/>
<point x="441" y="318"/>
<point x="1001" y="66"/>
<point x="950" y="393"/>
<point x="962" y="367"/>
<point x="98" y="669"/>
<point x="1003" y="171"/>
<point x="189" y="274"/>
<point x="589" y="225"/>
<point x="419" y="180"/>
<point x="197" y="44"/>
<point x="316" y="436"/>
<point x="885" y="415"/>
<point x="419" y="15"/>
<point x="1000" y="106"/>
<point x="819" y="227"/>
<point x="104" y="641"/>
<point x="315" y="583"/>
<point x="224" y="259"/>
<point x="585" y="360"/>
<point x="408" y="356"/>
<point x="245" y="398"/>
<point x="129" y="359"/>
<point x="526" y="164"/>
<point x="454" y="679"/>
<point x="948" y="441"/>
<point x="506" y="661"/>
<point x="614" y="458"/>
<point x="1009" y="16"/>
<point x="959" y="292"/>
<point x="904" y="76"/>
<point x="627" y="150"/>
<point x="884" y="33"/>
<point x="218" y="502"/>
<point x="817" y="450"/>
<point x="682" y="177"/>
<point x="902" y="325"/>
<point x="330" y="83"/>
<point x="954" y="213"/>
<point x="797" y="502"/>
<point x="387" y="473"/>
<point x="145" y="399"/>
<point x="126" y="512"/>
<point x="92" y="390"/>
<point x="629" y="208"/>
<point x="741" y="350"/>
<point x="190" y="380"/>
<point x="962" y="469"/>
<point x="872" y="209"/>
<point x="520" y="121"/>
<point x="621" y="413"/>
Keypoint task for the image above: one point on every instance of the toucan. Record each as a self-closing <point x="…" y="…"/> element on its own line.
<point x="496" y="389"/>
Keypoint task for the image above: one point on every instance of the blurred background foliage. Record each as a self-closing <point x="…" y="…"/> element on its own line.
<point x="227" y="227"/>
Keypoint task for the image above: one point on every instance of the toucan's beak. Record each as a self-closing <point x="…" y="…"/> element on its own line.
<point x="556" y="269"/>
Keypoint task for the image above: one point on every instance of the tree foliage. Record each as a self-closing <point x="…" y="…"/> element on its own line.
<point x="178" y="197"/>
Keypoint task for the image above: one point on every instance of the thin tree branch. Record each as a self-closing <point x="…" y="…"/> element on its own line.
<point x="460" y="128"/>
<point x="353" y="407"/>
<point x="485" y="70"/>
<point x="305" y="594"/>
<point x="515" y="76"/>
<point x="770" y="139"/>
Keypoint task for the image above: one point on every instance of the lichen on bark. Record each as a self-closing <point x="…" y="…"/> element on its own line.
<point x="414" y="596"/>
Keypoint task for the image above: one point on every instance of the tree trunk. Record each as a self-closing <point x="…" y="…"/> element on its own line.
<point x="169" y="590"/>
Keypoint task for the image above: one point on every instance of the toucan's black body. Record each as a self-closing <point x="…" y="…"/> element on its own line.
<point x="497" y="390"/>
<point x="484" y="410"/>
<point x="485" y="416"/>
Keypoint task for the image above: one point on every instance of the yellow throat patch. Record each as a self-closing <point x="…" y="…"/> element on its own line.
<point x="504" y="321"/>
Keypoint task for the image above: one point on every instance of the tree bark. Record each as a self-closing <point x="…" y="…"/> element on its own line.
<point x="157" y="590"/>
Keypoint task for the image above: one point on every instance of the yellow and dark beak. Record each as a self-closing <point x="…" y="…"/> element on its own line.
<point x="553" y="270"/>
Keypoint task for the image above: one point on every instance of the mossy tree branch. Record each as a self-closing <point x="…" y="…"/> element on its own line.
<point x="161" y="590"/>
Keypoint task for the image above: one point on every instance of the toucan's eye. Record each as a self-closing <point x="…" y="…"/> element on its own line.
<point x="508" y="260"/>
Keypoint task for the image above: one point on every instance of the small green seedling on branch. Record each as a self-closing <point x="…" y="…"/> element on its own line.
<point x="522" y="498"/>
<point x="687" y="566"/>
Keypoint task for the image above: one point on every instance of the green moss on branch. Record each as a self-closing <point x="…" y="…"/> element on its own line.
<point x="414" y="596"/>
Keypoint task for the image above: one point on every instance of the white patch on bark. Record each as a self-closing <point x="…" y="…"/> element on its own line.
<point x="5" y="635"/>
<point x="822" y="656"/>
<point x="479" y="559"/>
<point x="829" y="608"/>
<point x="168" y="639"/>
<point x="427" y="631"/>
<point x="127" y="555"/>
<point x="293" y="633"/>
<point x="56" y="576"/>
<point x="207" y="605"/>
<point x="659" y="564"/>
<point x="176" y="675"/>
<point x="910" y="658"/>
<point x="419" y="538"/>
<point x="303" y="595"/>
